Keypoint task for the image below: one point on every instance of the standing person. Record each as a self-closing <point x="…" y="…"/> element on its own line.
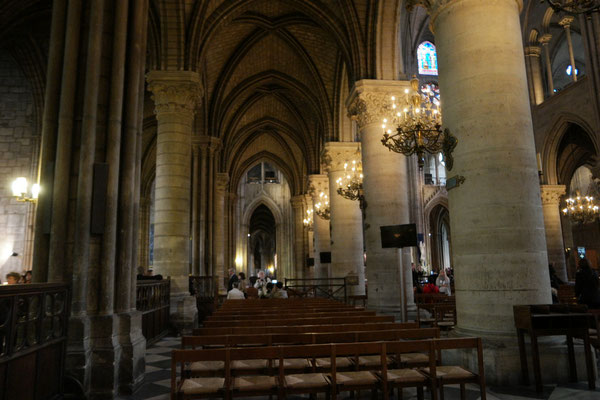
<point x="242" y="280"/>
<point x="232" y="278"/>
<point x="443" y="282"/>
<point x="261" y="284"/>
<point x="587" y="287"/>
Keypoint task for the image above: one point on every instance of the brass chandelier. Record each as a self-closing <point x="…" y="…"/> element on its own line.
<point x="581" y="209"/>
<point x="350" y="186"/>
<point x="415" y="126"/>
<point x="322" y="207"/>
<point x="574" y="7"/>
<point x="308" y="221"/>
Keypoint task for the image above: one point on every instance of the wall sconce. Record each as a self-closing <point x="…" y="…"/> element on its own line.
<point x="22" y="193"/>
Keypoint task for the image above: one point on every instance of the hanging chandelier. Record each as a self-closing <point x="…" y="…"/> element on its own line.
<point x="322" y="207"/>
<point x="581" y="209"/>
<point x="308" y="221"/>
<point x="574" y="7"/>
<point x="350" y="186"/>
<point x="415" y="126"/>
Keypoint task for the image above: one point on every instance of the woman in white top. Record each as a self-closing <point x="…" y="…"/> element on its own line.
<point x="443" y="282"/>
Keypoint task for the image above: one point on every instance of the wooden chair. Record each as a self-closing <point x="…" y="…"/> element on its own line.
<point x="344" y="381"/>
<point x="252" y="292"/>
<point x="448" y="375"/>
<point x="198" y="387"/>
<point x="401" y="378"/>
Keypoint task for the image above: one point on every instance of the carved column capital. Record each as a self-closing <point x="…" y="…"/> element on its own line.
<point x="207" y="143"/>
<point x="336" y="154"/>
<point x="533" y="51"/>
<point x="221" y="181"/>
<point x="545" y="39"/>
<point x="174" y="91"/>
<point x="317" y="184"/>
<point x="551" y="194"/>
<point x="566" y="21"/>
<point x="370" y="100"/>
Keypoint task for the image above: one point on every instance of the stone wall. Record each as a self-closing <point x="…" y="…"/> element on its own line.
<point x="18" y="157"/>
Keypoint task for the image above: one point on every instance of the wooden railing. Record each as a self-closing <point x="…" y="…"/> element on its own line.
<point x="153" y="300"/>
<point x="206" y="291"/>
<point x="330" y="288"/>
<point x="33" y="338"/>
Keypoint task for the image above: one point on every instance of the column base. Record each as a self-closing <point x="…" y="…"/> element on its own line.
<point x="105" y="357"/>
<point x="132" y="365"/>
<point x="503" y="364"/>
<point x="184" y="313"/>
<point x="78" y="359"/>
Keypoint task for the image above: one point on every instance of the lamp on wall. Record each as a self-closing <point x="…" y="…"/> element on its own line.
<point x="23" y="192"/>
<point x="322" y="207"/>
<point x="574" y="7"/>
<point x="414" y="126"/>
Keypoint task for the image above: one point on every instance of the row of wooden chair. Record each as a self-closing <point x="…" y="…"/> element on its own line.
<point x="387" y="374"/>
<point x="295" y="314"/>
<point x="277" y="320"/>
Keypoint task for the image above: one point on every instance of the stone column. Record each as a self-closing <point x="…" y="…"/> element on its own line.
<point x="220" y="269"/>
<point x="346" y="218"/>
<point x="195" y="201"/>
<point x="532" y="56"/>
<point x="551" y="195"/>
<point x="498" y="239"/>
<point x="322" y="236"/>
<point x="566" y="23"/>
<point x="545" y="40"/>
<point x="175" y="94"/>
<point x="298" y="209"/>
<point x="385" y="183"/>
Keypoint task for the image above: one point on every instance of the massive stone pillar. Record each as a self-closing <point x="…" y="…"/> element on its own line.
<point x="346" y="218"/>
<point x="92" y="125"/>
<point x="498" y="240"/>
<point x="175" y="94"/>
<point x="385" y="183"/>
<point x="299" y="255"/>
<point x="551" y="195"/>
<point x="534" y="63"/>
<point x="220" y="269"/>
<point x="322" y="236"/>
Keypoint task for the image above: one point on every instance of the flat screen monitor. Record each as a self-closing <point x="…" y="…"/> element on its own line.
<point x="325" y="257"/>
<point x="398" y="236"/>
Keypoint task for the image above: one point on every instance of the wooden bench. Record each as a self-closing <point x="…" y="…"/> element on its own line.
<point x="275" y="379"/>
<point x="276" y="321"/>
<point x="269" y="311"/>
<point x="295" y="314"/>
<point x="249" y="330"/>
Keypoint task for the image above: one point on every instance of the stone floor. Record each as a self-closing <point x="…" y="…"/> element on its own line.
<point x="158" y="382"/>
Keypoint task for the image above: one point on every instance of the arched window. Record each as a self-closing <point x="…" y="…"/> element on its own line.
<point x="427" y="59"/>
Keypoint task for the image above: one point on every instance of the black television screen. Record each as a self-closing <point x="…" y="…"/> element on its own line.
<point x="398" y="235"/>
<point x="325" y="257"/>
<point x="310" y="262"/>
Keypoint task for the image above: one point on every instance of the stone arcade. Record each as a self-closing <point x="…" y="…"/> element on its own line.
<point x="188" y="137"/>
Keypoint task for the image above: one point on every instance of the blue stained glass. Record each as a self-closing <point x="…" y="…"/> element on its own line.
<point x="427" y="59"/>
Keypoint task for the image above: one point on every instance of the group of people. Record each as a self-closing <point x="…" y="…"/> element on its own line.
<point x="13" y="278"/>
<point x="237" y="286"/>
<point x="443" y="281"/>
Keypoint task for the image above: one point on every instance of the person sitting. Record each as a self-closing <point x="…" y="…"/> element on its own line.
<point x="443" y="282"/>
<point x="280" y="292"/>
<point x="587" y="287"/>
<point x="12" y="278"/>
<point x="555" y="283"/>
<point x="235" y="293"/>
<point x="27" y="277"/>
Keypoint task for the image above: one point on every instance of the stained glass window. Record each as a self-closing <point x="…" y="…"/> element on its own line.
<point x="427" y="59"/>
